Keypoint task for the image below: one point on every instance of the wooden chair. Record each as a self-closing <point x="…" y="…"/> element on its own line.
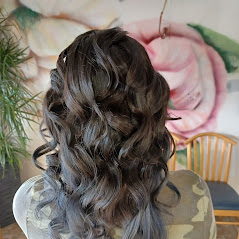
<point x="215" y="172"/>
<point x="172" y="161"/>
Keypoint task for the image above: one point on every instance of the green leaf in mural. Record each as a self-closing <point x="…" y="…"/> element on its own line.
<point x="181" y="157"/>
<point x="227" y="48"/>
<point x="170" y="105"/>
<point x="25" y="17"/>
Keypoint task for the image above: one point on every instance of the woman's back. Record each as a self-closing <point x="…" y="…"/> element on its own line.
<point x="192" y="218"/>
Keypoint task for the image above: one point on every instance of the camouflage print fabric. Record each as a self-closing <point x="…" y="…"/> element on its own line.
<point x="192" y="218"/>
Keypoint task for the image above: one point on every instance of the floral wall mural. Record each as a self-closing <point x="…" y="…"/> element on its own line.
<point x="194" y="70"/>
<point x="47" y="27"/>
<point x="196" y="58"/>
<point x="195" y="61"/>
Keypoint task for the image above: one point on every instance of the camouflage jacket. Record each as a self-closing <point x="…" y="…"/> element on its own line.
<point x="192" y="218"/>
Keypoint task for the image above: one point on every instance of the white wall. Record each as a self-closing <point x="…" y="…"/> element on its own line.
<point x="221" y="16"/>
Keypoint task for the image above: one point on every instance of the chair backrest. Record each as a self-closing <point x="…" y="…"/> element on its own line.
<point x="199" y="157"/>
<point x="172" y="161"/>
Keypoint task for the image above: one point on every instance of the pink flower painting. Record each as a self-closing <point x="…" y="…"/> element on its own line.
<point x="195" y="73"/>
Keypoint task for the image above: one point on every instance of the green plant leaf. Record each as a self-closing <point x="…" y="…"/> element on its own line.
<point x="227" y="48"/>
<point x="17" y="104"/>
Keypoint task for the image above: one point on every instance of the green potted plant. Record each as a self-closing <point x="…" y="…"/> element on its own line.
<point x="17" y="108"/>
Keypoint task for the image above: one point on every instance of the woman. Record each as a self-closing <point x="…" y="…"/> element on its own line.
<point x="107" y="174"/>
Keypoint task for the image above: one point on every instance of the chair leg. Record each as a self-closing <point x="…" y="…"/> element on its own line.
<point x="220" y="218"/>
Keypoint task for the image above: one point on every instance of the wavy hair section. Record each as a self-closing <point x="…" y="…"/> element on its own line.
<point x="105" y="113"/>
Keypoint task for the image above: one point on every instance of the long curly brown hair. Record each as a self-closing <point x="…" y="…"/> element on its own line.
<point x="105" y="113"/>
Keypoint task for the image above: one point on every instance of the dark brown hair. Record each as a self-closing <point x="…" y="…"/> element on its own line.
<point x="105" y="113"/>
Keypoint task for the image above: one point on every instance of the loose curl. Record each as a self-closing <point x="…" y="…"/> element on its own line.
<point x="105" y="113"/>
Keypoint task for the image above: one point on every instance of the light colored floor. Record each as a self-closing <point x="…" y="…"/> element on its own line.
<point x="13" y="231"/>
<point x="227" y="231"/>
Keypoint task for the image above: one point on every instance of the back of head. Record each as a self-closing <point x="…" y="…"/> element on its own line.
<point x="105" y="113"/>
